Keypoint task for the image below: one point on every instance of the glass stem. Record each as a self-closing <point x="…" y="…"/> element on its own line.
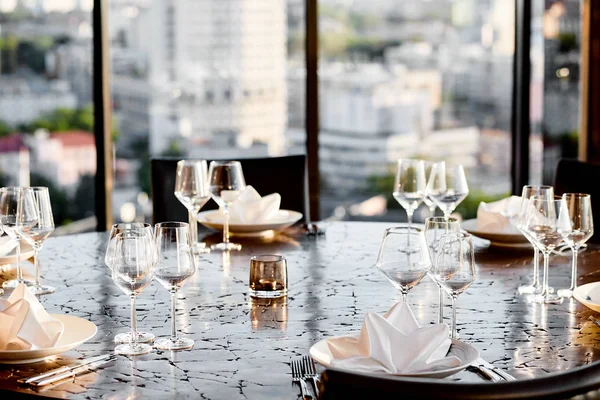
<point x="134" y="337"/>
<point x="19" y="271"/>
<point x="173" y="325"/>
<point x="36" y="263"/>
<point x="545" y="275"/>
<point x="193" y="227"/>
<point x="404" y="297"/>
<point x="409" y="215"/>
<point x="432" y="210"/>
<point x="574" y="269"/>
<point x="226" y="225"/>
<point x="441" y="310"/>
<point x="454" y="317"/>
<point x="536" y="268"/>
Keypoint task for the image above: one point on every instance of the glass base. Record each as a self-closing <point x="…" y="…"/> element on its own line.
<point x="268" y="294"/>
<point x="13" y="283"/>
<point x="226" y="246"/>
<point x="142" y="337"/>
<point x="200" y="248"/>
<point x="549" y="298"/>
<point x="179" y="344"/>
<point x="567" y="293"/>
<point x="131" y="349"/>
<point x="42" y="289"/>
<point x="530" y="289"/>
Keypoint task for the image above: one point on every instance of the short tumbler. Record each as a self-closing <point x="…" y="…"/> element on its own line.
<point x="268" y="276"/>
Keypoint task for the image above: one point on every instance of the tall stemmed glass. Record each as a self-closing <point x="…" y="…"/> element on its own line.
<point x="528" y="192"/>
<point x="191" y="189"/>
<point x="175" y="266"/>
<point x="454" y="267"/>
<point x="134" y="228"/>
<point x="225" y="181"/>
<point x="447" y="186"/>
<point x="132" y="270"/>
<point x="409" y="185"/>
<point x="541" y="223"/>
<point x="36" y="234"/>
<point x="15" y="201"/>
<point x="576" y="226"/>
<point x="403" y="258"/>
<point x="435" y="229"/>
<point x="427" y="199"/>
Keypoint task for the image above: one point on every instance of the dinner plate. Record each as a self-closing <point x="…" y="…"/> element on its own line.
<point x="214" y="219"/>
<point x="77" y="331"/>
<point x="466" y="353"/>
<point x="498" y="239"/>
<point x="11" y="257"/>
<point x="582" y="295"/>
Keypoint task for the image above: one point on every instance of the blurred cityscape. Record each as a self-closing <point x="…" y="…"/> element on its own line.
<point x="226" y="79"/>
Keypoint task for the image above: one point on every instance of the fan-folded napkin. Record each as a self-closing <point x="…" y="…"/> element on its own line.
<point x="250" y="208"/>
<point x="393" y="344"/>
<point x="499" y="216"/>
<point x="24" y="324"/>
<point x="7" y="244"/>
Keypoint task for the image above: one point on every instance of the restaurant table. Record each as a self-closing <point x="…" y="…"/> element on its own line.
<point x="243" y="348"/>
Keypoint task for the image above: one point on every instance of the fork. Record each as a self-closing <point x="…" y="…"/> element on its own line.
<point x="310" y="372"/>
<point x="297" y="377"/>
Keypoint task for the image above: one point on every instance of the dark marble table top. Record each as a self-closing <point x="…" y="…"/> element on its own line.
<point x="243" y="349"/>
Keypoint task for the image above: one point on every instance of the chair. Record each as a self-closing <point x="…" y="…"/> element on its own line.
<point x="285" y="175"/>
<point x="572" y="176"/>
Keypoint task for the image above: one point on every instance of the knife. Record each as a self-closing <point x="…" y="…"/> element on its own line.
<point x="64" y="369"/>
<point x="485" y="372"/>
<point x="480" y="362"/>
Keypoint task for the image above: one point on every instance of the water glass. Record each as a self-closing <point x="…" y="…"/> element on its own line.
<point x="409" y="185"/>
<point x="447" y="186"/>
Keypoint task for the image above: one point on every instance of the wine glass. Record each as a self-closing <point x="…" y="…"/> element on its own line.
<point x="576" y="226"/>
<point x="191" y="189"/>
<point x="447" y="186"/>
<point x="541" y="223"/>
<point x="435" y="229"/>
<point x="528" y="192"/>
<point x="403" y="258"/>
<point x="409" y="185"/>
<point x="17" y="203"/>
<point x="454" y="267"/>
<point x="225" y="181"/>
<point x="143" y="230"/>
<point x="132" y="270"/>
<point x="175" y="266"/>
<point x="427" y="199"/>
<point x="36" y="234"/>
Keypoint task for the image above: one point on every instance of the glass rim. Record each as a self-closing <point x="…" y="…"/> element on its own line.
<point x="538" y="187"/>
<point x="39" y="188"/>
<point x="441" y="219"/>
<point x="225" y="162"/>
<point x="576" y="195"/>
<point x="190" y="161"/>
<point x="276" y="258"/>
<point x="171" y="224"/>
<point x="123" y="225"/>
<point x="409" y="159"/>
<point x="398" y="229"/>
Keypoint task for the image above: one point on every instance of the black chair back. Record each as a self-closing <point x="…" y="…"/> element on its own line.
<point x="572" y="176"/>
<point x="285" y="175"/>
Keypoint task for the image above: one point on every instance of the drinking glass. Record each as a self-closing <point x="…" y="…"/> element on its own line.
<point x="403" y="258"/>
<point x="268" y="276"/>
<point x="541" y="223"/>
<point x="454" y="267"/>
<point x="528" y="192"/>
<point x="427" y="199"/>
<point x="576" y="226"/>
<point x="435" y="229"/>
<point x="140" y="229"/>
<point x="132" y="270"/>
<point x="191" y="189"/>
<point x="15" y="203"/>
<point x="447" y="186"/>
<point x="36" y="234"/>
<point x="226" y="179"/>
<point x="175" y="266"/>
<point x="409" y="186"/>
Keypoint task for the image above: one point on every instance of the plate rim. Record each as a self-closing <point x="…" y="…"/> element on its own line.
<point x="294" y="217"/>
<point x="499" y="237"/>
<point x="577" y="295"/>
<point x="12" y="258"/>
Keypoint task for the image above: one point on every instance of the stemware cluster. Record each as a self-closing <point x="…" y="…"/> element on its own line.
<point x="26" y="213"/>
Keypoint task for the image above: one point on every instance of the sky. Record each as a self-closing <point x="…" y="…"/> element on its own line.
<point x="47" y="5"/>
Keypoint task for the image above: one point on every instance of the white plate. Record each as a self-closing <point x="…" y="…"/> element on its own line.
<point x="498" y="239"/>
<point x="213" y="219"/>
<point x="11" y="258"/>
<point x="466" y="353"/>
<point x="77" y="331"/>
<point x="582" y="292"/>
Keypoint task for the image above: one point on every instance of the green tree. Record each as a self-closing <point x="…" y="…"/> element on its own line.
<point x="5" y="129"/>
<point x="468" y="208"/>
<point x="58" y="198"/>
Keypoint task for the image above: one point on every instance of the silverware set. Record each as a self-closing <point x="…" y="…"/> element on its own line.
<point x="304" y="370"/>
<point x="58" y="374"/>
<point x="489" y="371"/>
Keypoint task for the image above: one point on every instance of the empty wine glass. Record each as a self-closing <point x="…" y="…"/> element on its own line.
<point x="15" y="204"/>
<point x="36" y="234"/>
<point x="132" y="270"/>
<point x="175" y="266"/>
<point x="528" y="192"/>
<point x="435" y="229"/>
<point x="403" y="258"/>
<point x="140" y="229"/>
<point x="409" y="186"/>
<point x="454" y="267"/>
<point x="427" y="199"/>
<point x="541" y="223"/>
<point x="576" y="226"/>
<point x="226" y="179"/>
<point x="191" y="189"/>
<point x="447" y="186"/>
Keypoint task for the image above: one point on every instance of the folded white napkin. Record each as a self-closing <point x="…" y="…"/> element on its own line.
<point x="499" y="216"/>
<point x="25" y="325"/>
<point x="7" y="244"/>
<point x="394" y="344"/>
<point x="250" y="208"/>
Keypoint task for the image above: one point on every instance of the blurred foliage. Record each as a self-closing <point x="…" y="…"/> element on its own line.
<point x="143" y="173"/>
<point x="5" y="129"/>
<point x="468" y="208"/>
<point x="569" y="144"/>
<point x="58" y="198"/>
<point x="84" y="198"/>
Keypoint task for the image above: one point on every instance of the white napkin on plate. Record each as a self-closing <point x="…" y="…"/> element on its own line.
<point x="24" y="324"/>
<point x="394" y="344"/>
<point x="499" y="216"/>
<point x="251" y="208"/>
<point x="7" y="244"/>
